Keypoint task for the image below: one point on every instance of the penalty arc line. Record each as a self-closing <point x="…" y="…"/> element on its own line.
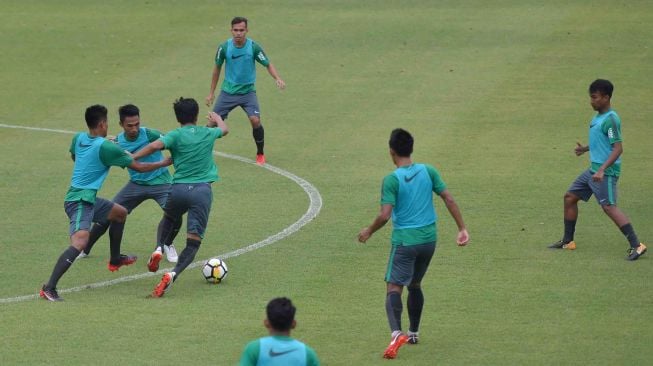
<point x="315" y="205"/>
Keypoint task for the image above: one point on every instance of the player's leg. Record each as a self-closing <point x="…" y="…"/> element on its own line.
<point x="415" y="301"/>
<point x="129" y="197"/>
<point x="251" y="107"/>
<point x="175" y="207"/>
<point x="160" y="194"/>
<point x="398" y="275"/>
<point x="80" y="215"/>
<point x="116" y="214"/>
<point x="606" y="194"/>
<point x="225" y="103"/>
<point x="579" y="190"/>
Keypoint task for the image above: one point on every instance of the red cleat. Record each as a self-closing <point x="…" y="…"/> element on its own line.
<point x="164" y="285"/>
<point x="397" y="341"/>
<point x="260" y="159"/>
<point x="125" y="260"/>
<point x="153" y="263"/>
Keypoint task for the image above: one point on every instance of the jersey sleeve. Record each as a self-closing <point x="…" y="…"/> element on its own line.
<point x="259" y="55"/>
<point x="169" y="139"/>
<point x="152" y="134"/>
<point x="250" y="354"/>
<point x="112" y="155"/>
<point x="220" y="54"/>
<point x="389" y="190"/>
<point x="311" y="357"/>
<point x="216" y="132"/>
<point x="438" y="184"/>
<point x="612" y="128"/>
<point x="73" y="143"/>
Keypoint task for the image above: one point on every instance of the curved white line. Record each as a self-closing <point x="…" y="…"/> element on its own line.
<point x="313" y="210"/>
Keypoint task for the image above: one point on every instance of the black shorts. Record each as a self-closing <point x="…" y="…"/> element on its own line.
<point x="194" y="198"/>
<point x="408" y="263"/>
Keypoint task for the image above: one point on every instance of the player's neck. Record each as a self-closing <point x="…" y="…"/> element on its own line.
<point x="96" y="133"/>
<point x="604" y="109"/>
<point x="403" y="161"/>
<point x="241" y="43"/>
<point x="280" y="334"/>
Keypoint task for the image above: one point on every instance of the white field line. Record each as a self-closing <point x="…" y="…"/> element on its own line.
<point x="313" y="210"/>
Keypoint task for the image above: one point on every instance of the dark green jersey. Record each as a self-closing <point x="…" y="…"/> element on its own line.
<point x="191" y="148"/>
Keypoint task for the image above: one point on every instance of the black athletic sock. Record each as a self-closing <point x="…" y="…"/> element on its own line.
<point x="630" y="235"/>
<point x="415" y="305"/>
<point x="165" y="233"/>
<point x="570" y="229"/>
<point x="173" y="234"/>
<point x="98" y="229"/>
<point x="187" y="255"/>
<point x="115" y="238"/>
<point x="259" y="138"/>
<point x="63" y="263"/>
<point x="393" y="308"/>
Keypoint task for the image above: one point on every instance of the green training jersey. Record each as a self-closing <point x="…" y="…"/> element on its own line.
<point x="91" y="166"/>
<point x="278" y="350"/>
<point x="409" y="189"/>
<point x="240" y="73"/>
<point x="191" y="148"/>
<point x="605" y="131"/>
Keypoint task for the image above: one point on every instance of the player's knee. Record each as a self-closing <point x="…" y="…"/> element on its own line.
<point x="570" y="198"/>
<point x="255" y="121"/>
<point x="118" y="213"/>
<point x="414" y="286"/>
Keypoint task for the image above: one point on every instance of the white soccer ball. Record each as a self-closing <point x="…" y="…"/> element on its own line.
<point x="214" y="270"/>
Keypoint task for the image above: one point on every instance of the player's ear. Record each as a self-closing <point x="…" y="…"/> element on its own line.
<point x="266" y="322"/>
<point x="293" y="325"/>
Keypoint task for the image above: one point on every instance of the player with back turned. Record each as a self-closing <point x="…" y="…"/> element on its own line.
<point x="407" y="197"/>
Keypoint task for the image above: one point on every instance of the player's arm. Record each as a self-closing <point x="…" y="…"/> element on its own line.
<point x="149" y="149"/>
<point x="617" y="149"/>
<point x="148" y="167"/>
<point x="216" y="121"/>
<point x="215" y="75"/>
<point x="72" y="147"/>
<point x="250" y="354"/>
<point x="275" y="75"/>
<point x="454" y="210"/>
<point x="580" y="149"/>
<point x="112" y="155"/>
<point x="381" y="219"/>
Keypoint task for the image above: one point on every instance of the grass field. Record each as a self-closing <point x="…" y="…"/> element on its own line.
<point x="495" y="94"/>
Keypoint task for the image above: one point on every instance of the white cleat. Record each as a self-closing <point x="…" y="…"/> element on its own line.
<point x="171" y="253"/>
<point x="81" y="255"/>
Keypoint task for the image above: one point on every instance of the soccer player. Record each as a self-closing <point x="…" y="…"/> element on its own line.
<point x="605" y="148"/>
<point x="407" y="197"/>
<point x="239" y="86"/>
<point x="191" y="147"/>
<point x="279" y="348"/>
<point x="154" y="185"/>
<point x="93" y="156"/>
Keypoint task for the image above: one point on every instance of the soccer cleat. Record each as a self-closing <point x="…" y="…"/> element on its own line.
<point x="81" y="255"/>
<point x="171" y="253"/>
<point x="634" y="253"/>
<point x="398" y="340"/>
<point x="413" y="338"/>
<point x="125" y="260"/>
<point x="50" y="295"/>
<point x="163" y="286"/>
<point x="562" y="245"/>
<point x="155" y="258"/>
<point x="260" y="159"/>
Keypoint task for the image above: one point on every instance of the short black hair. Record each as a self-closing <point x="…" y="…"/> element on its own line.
<point x="186" y="110"/>
<point x="237" y="20"/>
<point x="401" y="141"/>
<point x="128" y="110"/>
<point x="281" y="313"/>
<point x="602" y="86"/>
<point x="94" y="115"/>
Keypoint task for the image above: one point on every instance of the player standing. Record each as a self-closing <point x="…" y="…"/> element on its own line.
<point x="93" y="156"/>
<point x="154" y="185"/>
<point x="191" y="147"/>
<point x="407" y="197"/>
<point x="605" y="148"/>
<point x="239" y="86"/>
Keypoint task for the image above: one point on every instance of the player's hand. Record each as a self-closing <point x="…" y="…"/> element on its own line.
<point x="580" y="149"/>
<point x="280" y="84"/>
<point x="463" y="238"/>
<point x="213" y="118"/>
<point x="167" y="161"/>
<point x="598" y="176"/>
<point x="364" y="235"/>
<point x="209" y="100"/>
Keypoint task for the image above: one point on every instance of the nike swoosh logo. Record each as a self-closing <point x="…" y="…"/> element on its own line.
<point x="407" y="179"/>
<point x="234" y="56"/>
<point x="275" y="354"/>
<point x="83" y="145"/>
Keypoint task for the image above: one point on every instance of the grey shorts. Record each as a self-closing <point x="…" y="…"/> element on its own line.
<point x="408" y="263"/>
<point x="605" y="191"/>
<point x="227" y="102"/>
<point x="194" y="198"/>
<point x="132" y="195"/>
<point x="82" y="214"/>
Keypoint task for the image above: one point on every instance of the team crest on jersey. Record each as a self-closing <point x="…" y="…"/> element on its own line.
<point x="261" y="56"/>
<point x="610" y="133"/>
